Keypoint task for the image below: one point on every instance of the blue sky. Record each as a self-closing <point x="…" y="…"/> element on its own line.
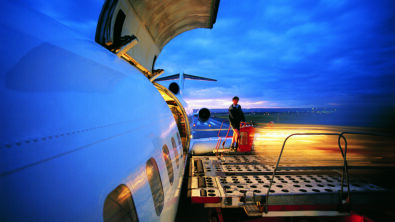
<point x="276" y="53"/>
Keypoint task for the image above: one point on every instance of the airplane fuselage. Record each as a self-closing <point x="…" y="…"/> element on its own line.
<point x="80" y="127"/>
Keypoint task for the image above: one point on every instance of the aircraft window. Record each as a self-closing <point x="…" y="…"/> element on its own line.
<point x="103" y="31"/>
<point x="119" y="206"/>
<point x="153" y="63"/>
<point x="156" y="186"/>
<point x="173" y="142"/>
<point x="118" y="25"/>
<point x="108" y="35"/>
<point x="169" y="165"/>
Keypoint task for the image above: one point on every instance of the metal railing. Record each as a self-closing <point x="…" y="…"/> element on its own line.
<point x="345" y="164"/>
<point x="220" y="139"/>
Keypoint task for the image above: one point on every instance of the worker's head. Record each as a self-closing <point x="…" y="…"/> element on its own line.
<point x="235" y="100"/>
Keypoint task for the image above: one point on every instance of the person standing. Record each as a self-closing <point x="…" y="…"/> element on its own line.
<point x="236" y="116"/>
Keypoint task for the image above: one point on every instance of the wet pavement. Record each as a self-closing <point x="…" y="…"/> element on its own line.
<point x="323" y="150"/>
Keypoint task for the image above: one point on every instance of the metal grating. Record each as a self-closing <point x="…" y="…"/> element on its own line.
<point x="239" y="181"/>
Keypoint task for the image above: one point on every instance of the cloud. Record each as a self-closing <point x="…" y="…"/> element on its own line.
<point x="80" y="16"/>
<point x="219" y="103"/>
<point x="294" y="53"/>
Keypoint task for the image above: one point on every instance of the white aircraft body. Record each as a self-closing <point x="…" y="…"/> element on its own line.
<point x="86" y="132"/>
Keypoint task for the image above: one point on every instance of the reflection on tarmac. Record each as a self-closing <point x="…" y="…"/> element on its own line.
<point x="320" y="150"/>
<point x="363" y="150"/>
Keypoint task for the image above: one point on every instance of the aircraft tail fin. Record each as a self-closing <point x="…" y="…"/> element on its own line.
<point x="171" y="77"/>
<point x="192" y="77"/>
<point x="181" y="77"/>
<point x="184" y="76"/>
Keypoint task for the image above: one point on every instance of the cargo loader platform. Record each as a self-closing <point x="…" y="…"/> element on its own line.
<point x="264" y="189"/>
<point x="243" y="181"/>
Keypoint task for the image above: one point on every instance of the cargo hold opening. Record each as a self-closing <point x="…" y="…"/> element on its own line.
<point x="179" y="115"/>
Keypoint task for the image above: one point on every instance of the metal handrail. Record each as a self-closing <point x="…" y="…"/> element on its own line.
<point x="344" y="155"/>
<point x="226" y="137"/>
<point x="345" y="169"/>
<point x="220" y="138"/>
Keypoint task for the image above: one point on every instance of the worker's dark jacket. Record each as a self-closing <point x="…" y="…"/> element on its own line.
<point x="236" y="116"/>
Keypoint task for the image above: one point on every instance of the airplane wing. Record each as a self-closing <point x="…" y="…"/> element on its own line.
<point x="187" y="76"/>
